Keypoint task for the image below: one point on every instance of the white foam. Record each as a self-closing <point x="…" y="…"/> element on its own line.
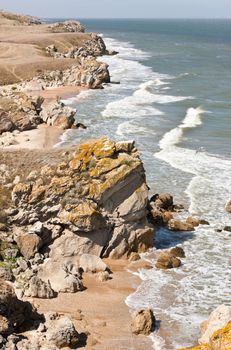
<point x="128" y="128"/>
<point x="174" y="136"/>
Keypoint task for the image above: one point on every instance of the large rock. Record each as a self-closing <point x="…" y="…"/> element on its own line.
<point x="57" y="114"/>
<point x="167" y="260"/>
<point x="177" y="225"/>
<point x="143" y="322"/>
<point x="92" y="263"/>
<point x="39" y="289"/>
<point x="217" y="319"/>
<point x="28" y="244"/>
<point x="13" y="312"/>
<point x="228" y="206"/>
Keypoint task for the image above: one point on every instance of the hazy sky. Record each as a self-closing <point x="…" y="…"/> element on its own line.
<point x="121" y="8"/>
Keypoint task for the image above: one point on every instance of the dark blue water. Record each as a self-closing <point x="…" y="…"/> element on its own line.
<point x="174" y="100"/>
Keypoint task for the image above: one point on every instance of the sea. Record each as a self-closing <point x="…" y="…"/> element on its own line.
<point x="171" y="93"/>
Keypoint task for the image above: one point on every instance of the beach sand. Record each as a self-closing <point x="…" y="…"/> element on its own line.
<point x="104" y="314"/>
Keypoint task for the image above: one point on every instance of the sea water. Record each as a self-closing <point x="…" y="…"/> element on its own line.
<point x="174" y="100"/>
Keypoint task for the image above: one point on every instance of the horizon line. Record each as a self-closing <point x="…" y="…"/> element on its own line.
<point x="141" y="18"/>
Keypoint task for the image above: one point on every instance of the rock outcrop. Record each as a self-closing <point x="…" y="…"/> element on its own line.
<point x="67" y="27"/>
<point x="93" y="204"/>
<point x="216" y="332"/>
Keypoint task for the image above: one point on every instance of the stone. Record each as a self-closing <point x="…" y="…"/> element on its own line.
<point x="16" y="312"/>
<point x="193" y="221"/>
<point x="217" y="319"/>
<point x="6" y="274"/>
<point x="163" y="200"/>
<point x="167" y="261"/>
<point x="228" y="206"/>
<point x="143" y="322"/>
<point x="227" y="228"/>
<point x="92" y="263"/>
<point x="61" y="332"/>
<point x="177" y="252"/>
<point x="177" y="225"/>
<point x="28" y="244"/>
<point x="57" y="114"/>
<point x="39" y="289"/>
<point x="103" y="276"/>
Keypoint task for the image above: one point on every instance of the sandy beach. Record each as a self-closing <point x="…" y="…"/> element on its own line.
<point x="101" y="309"/>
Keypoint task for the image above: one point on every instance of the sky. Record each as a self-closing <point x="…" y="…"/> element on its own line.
<point x="121" y="8"/>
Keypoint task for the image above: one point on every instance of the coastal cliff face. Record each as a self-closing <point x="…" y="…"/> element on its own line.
<point x="93" y="202"/>
<point x="96" y="197"/>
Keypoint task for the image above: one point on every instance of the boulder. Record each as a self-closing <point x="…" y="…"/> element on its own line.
<point x="167" y="261"/>
<point x="163" y="200"/>
<point x="92" y="263"/>
<point x="143" y="322"/>
<point x="28" y="244"/>
<point x="60" y="331"/>
<point x="15" y="311"/>
<point x="39" y="289"/>
<point x="177" y="225"/>
<point x="57" y="114"/>
<point x="177" y="252"/>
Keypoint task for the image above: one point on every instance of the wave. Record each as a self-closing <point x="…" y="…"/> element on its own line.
<point x="174" y="136"/>
<point x="128" y="128"/>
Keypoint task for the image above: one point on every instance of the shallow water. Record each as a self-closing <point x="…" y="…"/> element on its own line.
<point x="174" y="100"/>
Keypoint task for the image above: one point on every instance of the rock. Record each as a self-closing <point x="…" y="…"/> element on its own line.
<point x="193" y="221"/>
<point x="134" y="256"/>
<point x="103" y="276"/>
<point x="163" y="200"/>
<point x="14" y="310"/>
<point x="94" y="202"/>
<point x="28" y="244"/>
<point x="177" y="252"/>
<point x="61" y="331"/>
<point x="227" y="228"/>
<point x="39" y="289"/>
<point x="216" y="331"/>
<point x="92" y="263"/>
<point x="228" y="206"/>
<point x="6" y="274"/>
<point x="57" y="114"/>
<point x="4" y="326"/>
<point x="218" y="319"/>
<point x="177" y="225"/>
<point x="67" y="26"/>
<point x="143" y="322"/>
<point x="167" y="261"/>
<point x="64" y="278"/>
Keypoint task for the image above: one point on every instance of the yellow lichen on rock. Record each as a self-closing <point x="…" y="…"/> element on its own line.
<point x="220" y="340"/>
<point x="83" y="216"/>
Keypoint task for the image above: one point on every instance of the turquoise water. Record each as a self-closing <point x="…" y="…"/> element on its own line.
<point x="174" y="99"/>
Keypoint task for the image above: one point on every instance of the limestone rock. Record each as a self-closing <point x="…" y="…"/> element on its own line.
<point x="67" y="26"/>
<point x="57" y="114"/>
<point x="167" y="261"/>
<point x="39" y="289"/>
<point x="177" y="225"/>
<point x="92" y="263"/>
<point x="28" y="244"/>
<point x="143" y="322"/>
<point x="218" y="319"/>
<point x="60" y="331"/>
<point x="177" y="252"/>
<point x="11" y="308"/>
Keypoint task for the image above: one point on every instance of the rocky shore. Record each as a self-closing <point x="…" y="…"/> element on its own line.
<point x="74" y="220"/>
